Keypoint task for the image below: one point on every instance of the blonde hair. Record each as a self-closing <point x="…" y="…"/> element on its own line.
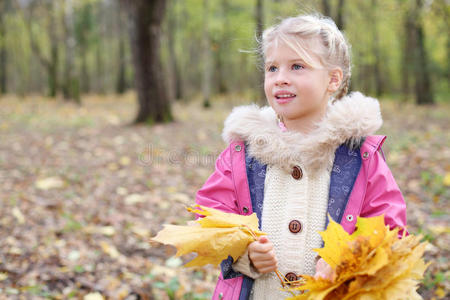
<point x="301" y="32"/>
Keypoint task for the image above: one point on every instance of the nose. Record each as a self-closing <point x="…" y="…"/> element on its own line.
<point x="282" y="78"/>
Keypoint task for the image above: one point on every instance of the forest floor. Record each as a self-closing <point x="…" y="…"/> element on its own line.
<point x="82" y="191"/>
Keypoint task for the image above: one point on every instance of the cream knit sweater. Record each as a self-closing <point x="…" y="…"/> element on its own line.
<point x="287" y="199"/>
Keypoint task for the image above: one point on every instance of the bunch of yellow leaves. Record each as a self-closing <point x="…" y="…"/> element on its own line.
<point x="219" y="235"/>
<point x="371" y="263"/>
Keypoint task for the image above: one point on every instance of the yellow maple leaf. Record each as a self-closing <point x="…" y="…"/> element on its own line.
<point x="336" y="238"/>
<point x="371" y="263"/>
<point x="219" y="235"/>
<point x="218" y="219"/>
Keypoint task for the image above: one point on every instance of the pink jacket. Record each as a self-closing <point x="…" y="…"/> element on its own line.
<point x="375" y="192"/>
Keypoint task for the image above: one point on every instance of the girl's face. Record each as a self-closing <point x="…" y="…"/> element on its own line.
<point x="296" y="91"/>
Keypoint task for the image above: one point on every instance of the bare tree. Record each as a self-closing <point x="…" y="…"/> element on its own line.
<point x="407" y="61"/>
<point x="3" y="55"/>
<point x="419" y="56"/>
<point x="340" y="15"/>
<point x="83" y="26"/>
<point x="99" y="64"/>
<point x="71" y="89"/>
<point x="441" y="9"/>
<point x="379" y="84"/>
<point x="174" y="66"/>
<point x="326" y="8"/>
<point x="222" y="63"/>
<point x="49" y="63"/>
<point x="145" y="30"/>
<point x="206" y="82"/>
<point x="121" y="83"/>
<point x="259" y="16"/>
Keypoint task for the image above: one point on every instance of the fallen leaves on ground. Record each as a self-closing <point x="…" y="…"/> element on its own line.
<point x="85" y="149"/>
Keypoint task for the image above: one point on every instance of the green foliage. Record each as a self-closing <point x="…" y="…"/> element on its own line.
<point x="71" y="223"/>
<point x="79" y="269"/>
<point x="232" y="26"/>
<point x="430" y="281"/>
<point x="37" y="290"/>
<point x="171" y="287"/>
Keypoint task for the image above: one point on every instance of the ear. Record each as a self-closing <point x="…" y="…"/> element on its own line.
<point x="335" y="76"/>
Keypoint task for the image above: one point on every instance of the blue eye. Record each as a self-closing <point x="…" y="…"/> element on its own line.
<point x="271" y="69"/>
<point x="297" y="67"/>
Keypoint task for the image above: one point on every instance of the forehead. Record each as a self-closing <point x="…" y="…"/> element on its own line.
<point x="290" y="49"/>
<point x="281" y="52"/>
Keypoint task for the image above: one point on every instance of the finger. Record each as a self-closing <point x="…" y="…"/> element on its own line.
<point x="262" y="248"/>
<point x="263" y="239"/>
<point x="267" y="257"/>
<point x="266" y="264"/>
<point x="267" y="269"/>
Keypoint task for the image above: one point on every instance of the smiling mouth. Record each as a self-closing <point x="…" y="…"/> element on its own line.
<point x="285" y="96"/>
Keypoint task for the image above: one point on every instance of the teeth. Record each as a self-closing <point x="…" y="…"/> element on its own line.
<point x="286" y="96"/>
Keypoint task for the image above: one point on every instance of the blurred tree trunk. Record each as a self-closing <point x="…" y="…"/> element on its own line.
<point x="71" y="88"/>
<point x="441" y="8"/>
<point x="121" y="83"/>
<point x="206" y="81"/>
<point x="259" y="31"/>
<point x="175" y="69"/>
<point x="424" y="93"/>
<point x="446" y="13"/>
<point x="146" y="17"/>
<point x="85" y="80"/>
<point x="53" y="63"/>
<point x="222" y="63"/>
<point x="340" y="15"/>
<point x="50" y="64"/>
<point x="326" y="8"/>
<point x="83" y="27"/>
<point x="407" y="61"/>
<point x="379" y="84"/>
<point x="419" y="60"/>
<point x="99" y="65"/>
<point x="3" y="57"/>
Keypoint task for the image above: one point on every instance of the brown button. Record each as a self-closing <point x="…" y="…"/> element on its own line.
<point x="291" y="276"/>
<point x="295" y="226"/>
<point x="297" y="172"/>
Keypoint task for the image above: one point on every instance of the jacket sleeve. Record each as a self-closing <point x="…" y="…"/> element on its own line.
<point x="383" y="195"/>
<point x="219" y="192"/>
<point x="244" y="266"/>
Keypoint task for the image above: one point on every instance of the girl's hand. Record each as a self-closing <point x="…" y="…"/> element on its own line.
<point x="323" y="270"/>
<point x="262" y="255"/>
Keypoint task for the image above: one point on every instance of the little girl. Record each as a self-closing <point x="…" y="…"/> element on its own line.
<point x="311" y="153"/>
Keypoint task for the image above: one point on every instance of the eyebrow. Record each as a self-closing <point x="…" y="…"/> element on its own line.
<point x="290" y="61"/>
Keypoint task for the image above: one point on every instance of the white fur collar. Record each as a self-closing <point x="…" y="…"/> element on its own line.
<point x="348" y="120"/>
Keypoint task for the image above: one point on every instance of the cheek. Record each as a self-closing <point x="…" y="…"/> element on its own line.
<point x="267" y="87"/>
